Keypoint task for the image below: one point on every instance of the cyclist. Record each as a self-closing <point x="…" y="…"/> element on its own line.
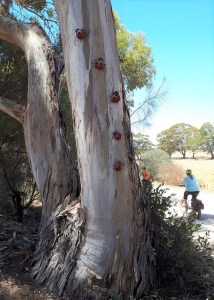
<point x="192" y="186"/>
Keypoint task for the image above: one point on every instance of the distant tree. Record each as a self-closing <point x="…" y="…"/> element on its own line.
<point x="207" y="138"/>
<point x="166" y="140"/>
<point x="177" y="138"/>
<point x="153" y="159"/>
<point x="183" y="134"/>
<point x="142" y="144"/>
<point x="195" y="141"/>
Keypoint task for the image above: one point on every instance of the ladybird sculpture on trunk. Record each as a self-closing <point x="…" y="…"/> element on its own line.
<point x="117" y="135"/>
<point x="117" y="166"/>
<point x="80" y="33"/>
<point x="100" y="64"/>
<point x="115" y="97"/>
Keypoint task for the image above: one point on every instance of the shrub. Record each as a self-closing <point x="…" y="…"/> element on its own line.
<point x="184" y="264"/>
<point x="170" y="173"/>
<point x="153" y="159"/>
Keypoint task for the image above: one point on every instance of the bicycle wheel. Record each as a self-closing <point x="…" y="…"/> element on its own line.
<point x="196" y="208"/>
<point x="197" y="205"/>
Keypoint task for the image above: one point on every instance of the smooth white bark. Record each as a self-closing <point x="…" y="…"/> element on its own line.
<point x="107" y="194"/>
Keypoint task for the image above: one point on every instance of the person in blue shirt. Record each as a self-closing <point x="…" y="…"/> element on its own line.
<point x="192" y="186"/>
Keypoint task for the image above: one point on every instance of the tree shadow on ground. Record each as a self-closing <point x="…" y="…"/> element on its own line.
<point x="208" y="217"/>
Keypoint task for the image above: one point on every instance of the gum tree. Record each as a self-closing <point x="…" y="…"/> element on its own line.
<point x="179" y="137"/>
<point x="97" y="241"/>
<point x="207" y="138"/>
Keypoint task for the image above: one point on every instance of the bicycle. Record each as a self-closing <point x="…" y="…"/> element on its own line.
<point x="196" y="207"/>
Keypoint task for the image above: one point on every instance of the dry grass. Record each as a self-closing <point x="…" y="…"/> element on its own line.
<point x="171" y="173"/>
<point x="202" y="167"/>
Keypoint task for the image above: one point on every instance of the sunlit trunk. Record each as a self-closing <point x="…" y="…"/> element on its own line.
<point x="114" y="245"/>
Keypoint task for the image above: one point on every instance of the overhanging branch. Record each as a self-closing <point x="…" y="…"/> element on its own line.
<point x="13" y="109"/>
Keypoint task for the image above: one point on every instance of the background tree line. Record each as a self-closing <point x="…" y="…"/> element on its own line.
<point x="183" y="137"/>
<point x="180" y="138"/>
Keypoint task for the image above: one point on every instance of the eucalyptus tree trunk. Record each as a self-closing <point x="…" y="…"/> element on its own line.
<point x="98" y="243"/>
<point x="116" y="237"/>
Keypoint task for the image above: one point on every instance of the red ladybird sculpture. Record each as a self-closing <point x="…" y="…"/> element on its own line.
<point x="115" y="97"/>
<point x="100" y="64"/>
<point x="117" y="135"/>
<point x="117" y="166"/>
<point x="80" y="33"/>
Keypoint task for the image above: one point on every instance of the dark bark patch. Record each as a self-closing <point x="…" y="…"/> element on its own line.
<point x="86" y="25"/>
<point x="54" y="259"/>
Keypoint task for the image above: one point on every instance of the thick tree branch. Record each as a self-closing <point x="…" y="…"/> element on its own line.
<point x="13" y="109"/>
<point x="13" y="32"/>
<point x="43" y="131"/>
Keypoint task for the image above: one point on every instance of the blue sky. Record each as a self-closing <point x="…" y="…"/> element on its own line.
<point x="181" y="34"/>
